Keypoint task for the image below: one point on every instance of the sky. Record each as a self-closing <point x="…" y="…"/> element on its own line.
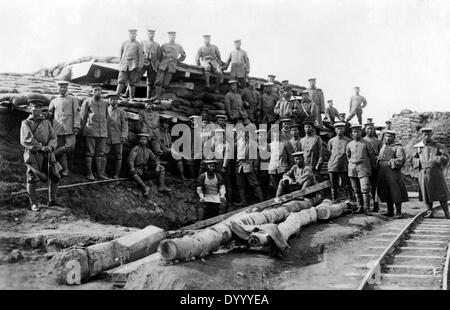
<point x="397" y="51"/>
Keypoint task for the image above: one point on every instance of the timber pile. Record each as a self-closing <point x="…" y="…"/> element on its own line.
<point x="407" y="124"/>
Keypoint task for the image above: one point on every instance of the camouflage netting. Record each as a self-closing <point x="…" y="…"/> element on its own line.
<point x="407" y="124"/>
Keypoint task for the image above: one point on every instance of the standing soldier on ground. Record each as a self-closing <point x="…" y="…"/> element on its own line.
<point x="64" y="111"/>
<point x="338" y="163"/>
<point x="208" y="57"/>
<point x="300" y="176"/>
<point x="139" y="161"/>
<point x="316" y="96"/>
<point x="234" y="105"/>
<point x="211" y="191"/>
<point x="253" y="98"/>
<point x="151" y="61"/>
<point x="312" y="148"/>
<point x="331" y="113"/>
<point x="357" y="103"/>
<point x="280" y="160"/>
<point x="170" y="54"/>
<point x="360" y="158"/>
<point x="376" y="146"/>
<point x="268" y="101"/>
<point x="263" y="161"/>
<point x="130" y="65"/>
<point x="94" y="123"/>
<point x="117" y="132"/>
<point x="430" y="158"/>
<point x="39" y="141"/>
<point x="240" y="64"/>
<point x="391" y="186"/>
<point x="165" y="144"/>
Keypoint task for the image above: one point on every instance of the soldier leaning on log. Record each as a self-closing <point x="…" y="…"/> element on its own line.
<point x="39" y="141"/>
<point x="94" y="124"/>
<point x="170" y="54"/>
<point x="130" y="64"/>
<point x="430" y="158"/>
<point x="64" y="112"/>
<point x="208" y="57"/>
<point x="376" y="146"/>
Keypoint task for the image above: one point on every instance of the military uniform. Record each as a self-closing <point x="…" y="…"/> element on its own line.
<point x="312" y="148"/>
<point x="117" y="134"/>
<point x="130" y="63"/>
<point x="65" y="114"/>
<point x="151" y="63"/>
<point x="253" y="98"/>
<point x="240" y="66"/>
<point x="149" y="124"/>
<point x="280" y="162"/>
<point x="36" y="133"/>
<point x="170" y="54"/>
<point x="234" y="106"/>
<point x="140" y="159"/>
<point x="284" y="108"/>
<point x="357" y="103"/>
<point x="331" y="113"/>
<point x="376" y="146"/>
<point x="295" y="179"/>
<point x="338" y="165"/>
<point x="263" y="167"/>
<point x="305" y="111"/>
<point x="268" y="102"/>
<point x="316" y="96"/>
<point x="360" y="160"/>
<point x="391" y="187"/>
<point x="208" y="57"/>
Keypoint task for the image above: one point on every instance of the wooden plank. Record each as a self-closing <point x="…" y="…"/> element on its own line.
<point x="260" y="206"/>
<point x="72" y="185"/>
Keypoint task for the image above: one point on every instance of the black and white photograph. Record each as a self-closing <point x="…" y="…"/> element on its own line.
<point x="225" y="150"/>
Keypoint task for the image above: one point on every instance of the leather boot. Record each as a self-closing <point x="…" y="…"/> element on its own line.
<point x="390" y="210"/>
<point x="366" y="198"/>
<point x="242" y="196"/>
<point x="132" y="92"/>
<point x="181" y="170"/>
<point x="360" y="203"/>
<point x="162" y="182"/>
<point x="89" y="174"/>
<point x="100" y="164"/>
<point x="375" y="207"/>
<point x="444" y="206"/>
<point x="119" y="89"/>
<point x="259" y="194"/>
<point x="149" y="92"/>
<point x="32" y="196"/>
<point x="64" y="164"/>
<point x="333" y="195"/>
<point x="141" y="183"/>
<point x="117" y="166"/>
<point x="429" y="212"/>
<point x="398" y="211"/>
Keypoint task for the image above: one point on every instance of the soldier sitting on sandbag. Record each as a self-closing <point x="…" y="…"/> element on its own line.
<point x="139" y="161"/>
<point x="39" y="140"/>
<point x="298" y="177"/>
<point x="211" y="190"/>
<point x="208" y="57"/>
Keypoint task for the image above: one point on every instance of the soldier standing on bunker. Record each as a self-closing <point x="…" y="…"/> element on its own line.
<point x="234" y="105"/>
<point x="139" y="161"/>
<point x="360" y="160"/>
<point x="64" y="111"/>
<point x="170" y="54"/>
<point x="430" y="158"/>
<point x="211" y="190"/>
<point x="391" y="186"/>
<point x="130" y="65"/>
<point x="312" y="148"/>
<point x="240" y="64"/>
<point x="94" y="123"/>
<point x="357" y="103"/>
<point x="208" y="57"/>
<point x="338" y="163"/>
<point x="253" y="98"/>
<point x="331" y="113"/>
<point x="151" y="61"/>
<point x="376" y="146"/>
<point x="300" y="176"/>
<point x="268" y="101"/>
<point x="39" y="140"/>
<point x="117" y="132"/>
<point x="316" y="96"/>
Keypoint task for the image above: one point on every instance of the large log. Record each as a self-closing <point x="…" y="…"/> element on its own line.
<point x="78" y="265"/>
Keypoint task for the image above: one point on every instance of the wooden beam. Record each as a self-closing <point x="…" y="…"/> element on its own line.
<point x="72" y="185"/>
<point x="260" y="206"/>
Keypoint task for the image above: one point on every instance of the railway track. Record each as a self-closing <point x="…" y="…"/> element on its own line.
<point x="414" y="257"/>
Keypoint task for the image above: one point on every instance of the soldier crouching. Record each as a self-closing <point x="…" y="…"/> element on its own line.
<point x="39" y="140"/>
<point x="139" y="159"/>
